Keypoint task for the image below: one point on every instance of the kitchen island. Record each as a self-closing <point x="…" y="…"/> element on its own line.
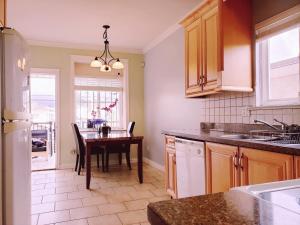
<point x="229" y="208"/>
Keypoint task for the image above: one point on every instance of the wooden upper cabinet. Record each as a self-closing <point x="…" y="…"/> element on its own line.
<point x="192" y="38"/>
<point x="210" y="48"/>
<point x="223" y="47"/>
<point x="221" y="172"/>
<point x="261" y="166"/>
<point x="2" y="12"/>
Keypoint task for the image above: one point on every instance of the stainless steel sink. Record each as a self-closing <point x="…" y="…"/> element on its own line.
<point x="288" y="198"/>
<point x="236" y="136"/>
<point x="283" y="193"/>
<point x="249" y="137"/>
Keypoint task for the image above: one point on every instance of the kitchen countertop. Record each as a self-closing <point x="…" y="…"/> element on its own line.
<point x="229" y="208"/>
<point x="215" y="136"/>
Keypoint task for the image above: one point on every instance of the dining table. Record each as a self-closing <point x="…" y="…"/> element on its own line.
<point x="92" y="138"/>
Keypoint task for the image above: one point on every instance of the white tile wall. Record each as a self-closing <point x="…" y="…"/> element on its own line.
<point x="229" y="108"/>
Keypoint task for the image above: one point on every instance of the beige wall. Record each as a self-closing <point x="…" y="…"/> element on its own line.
<point x="165" y="104"/>
<point x="60" y="58"/>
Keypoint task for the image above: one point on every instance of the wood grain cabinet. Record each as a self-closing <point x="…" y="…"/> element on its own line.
<point x="230" y="166"/>
<point x="218" y="48"/>
<point x="170" y="166"/>
<point x="262" y="167"/>
<point x="2" y="12"/>
<point x="297" y="166"/>
<point x="221" y="174"/>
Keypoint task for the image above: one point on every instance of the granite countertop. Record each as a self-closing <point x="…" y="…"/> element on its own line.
<point x="229" y="208"/>
<point x="215" y="136"/>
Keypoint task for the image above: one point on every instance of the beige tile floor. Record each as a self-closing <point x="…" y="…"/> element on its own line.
<point x="59" y="196"/>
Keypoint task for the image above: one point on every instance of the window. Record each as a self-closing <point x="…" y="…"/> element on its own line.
<point x="93" y="93"/>
<point x="278" y="68"/>
<point x="42" y="90"/>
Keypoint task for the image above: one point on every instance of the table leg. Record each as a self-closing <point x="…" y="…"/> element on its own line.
<point x="88" y="164"/>
<point x="140" y="161"/>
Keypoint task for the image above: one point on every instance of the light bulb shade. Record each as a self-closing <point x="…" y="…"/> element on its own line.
<point x="105" y="68"/>
<point x="96" y="63"/>
<point x="118" y="65"/>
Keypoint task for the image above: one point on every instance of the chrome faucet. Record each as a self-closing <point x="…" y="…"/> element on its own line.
<point x="267" y="124"/>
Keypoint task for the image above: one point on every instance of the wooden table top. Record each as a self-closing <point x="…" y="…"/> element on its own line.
<point x="89" y="136"/>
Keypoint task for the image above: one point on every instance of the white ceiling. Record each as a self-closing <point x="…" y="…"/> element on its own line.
<point x="134" y="23"/>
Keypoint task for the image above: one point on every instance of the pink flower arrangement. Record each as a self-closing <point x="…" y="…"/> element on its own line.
<point x="110" y="107"/>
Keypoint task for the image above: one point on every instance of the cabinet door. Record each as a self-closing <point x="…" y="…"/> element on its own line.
<point x="297" y="166"/>
<point x="261" y="166"/>
<point x="210" y="48"/>
<point x="2" y="12"/>
<point x="192" y="58"/>
<point x="171" y="184"/>
<point x="221" y="172"/>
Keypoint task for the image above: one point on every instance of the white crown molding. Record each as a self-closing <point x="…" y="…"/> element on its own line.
<point x="81" y="46"/>
<point x="170" y="30"/>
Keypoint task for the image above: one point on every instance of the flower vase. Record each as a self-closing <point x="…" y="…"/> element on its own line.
<point x="105" y="129"/>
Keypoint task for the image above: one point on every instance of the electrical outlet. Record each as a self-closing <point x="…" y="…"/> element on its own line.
<point x="245" y="111"/>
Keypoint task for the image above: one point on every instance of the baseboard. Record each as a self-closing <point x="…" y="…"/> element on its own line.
<point x="154" y="164"/>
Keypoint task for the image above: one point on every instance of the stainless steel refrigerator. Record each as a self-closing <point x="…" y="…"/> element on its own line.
<point x="15" y="129"/>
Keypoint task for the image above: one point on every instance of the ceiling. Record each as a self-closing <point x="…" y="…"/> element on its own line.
<point x="134" y="23"/>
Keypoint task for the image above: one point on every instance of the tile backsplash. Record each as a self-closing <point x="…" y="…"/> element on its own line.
<point x="232" y="107"/>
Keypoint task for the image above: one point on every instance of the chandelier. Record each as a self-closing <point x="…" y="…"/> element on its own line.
<point x="106" y="61"/>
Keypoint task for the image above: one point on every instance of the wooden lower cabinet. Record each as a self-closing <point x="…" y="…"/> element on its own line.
<point x="258" y="166"/>
<point x="170" y="167"/>
<point x="230" y="166"/>
<point x="297" y="166"/>
<point x="221" y="173"/>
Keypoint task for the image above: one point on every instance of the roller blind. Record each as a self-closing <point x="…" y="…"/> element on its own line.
<point x="88" y="78"/>
<point x="279" y="23"/>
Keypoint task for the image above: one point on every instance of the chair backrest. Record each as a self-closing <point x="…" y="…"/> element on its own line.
<point x="130" y="127"/>
<point x="78" y="139"/>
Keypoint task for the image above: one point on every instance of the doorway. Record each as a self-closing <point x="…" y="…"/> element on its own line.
<point x="44" y="108"/>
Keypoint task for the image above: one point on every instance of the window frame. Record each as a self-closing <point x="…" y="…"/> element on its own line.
<point x="125" y="95"/>
<point x="263" y="75"/>
<point x="99" y="102"/>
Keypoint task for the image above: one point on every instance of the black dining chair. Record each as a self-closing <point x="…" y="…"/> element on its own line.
<point x="120" y="149"/>
<point x="80" y="150"/>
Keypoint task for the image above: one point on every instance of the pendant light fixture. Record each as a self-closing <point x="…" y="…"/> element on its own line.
<point x="106" y="61"/>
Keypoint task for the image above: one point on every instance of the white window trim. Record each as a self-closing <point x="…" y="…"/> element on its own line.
<point x="88" y="59"/>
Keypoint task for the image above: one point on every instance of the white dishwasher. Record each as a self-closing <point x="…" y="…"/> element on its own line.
<point x="190" y="167"/>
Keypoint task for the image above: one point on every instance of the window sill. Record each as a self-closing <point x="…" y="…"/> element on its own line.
<point x="274" y="107"/>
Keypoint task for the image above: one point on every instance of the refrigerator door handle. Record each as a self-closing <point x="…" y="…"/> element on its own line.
<point x="10" y="115"/>
<point x="9" y="127"/>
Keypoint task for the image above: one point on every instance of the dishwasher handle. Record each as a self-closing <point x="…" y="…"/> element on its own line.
<point x="189" y="142"/>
